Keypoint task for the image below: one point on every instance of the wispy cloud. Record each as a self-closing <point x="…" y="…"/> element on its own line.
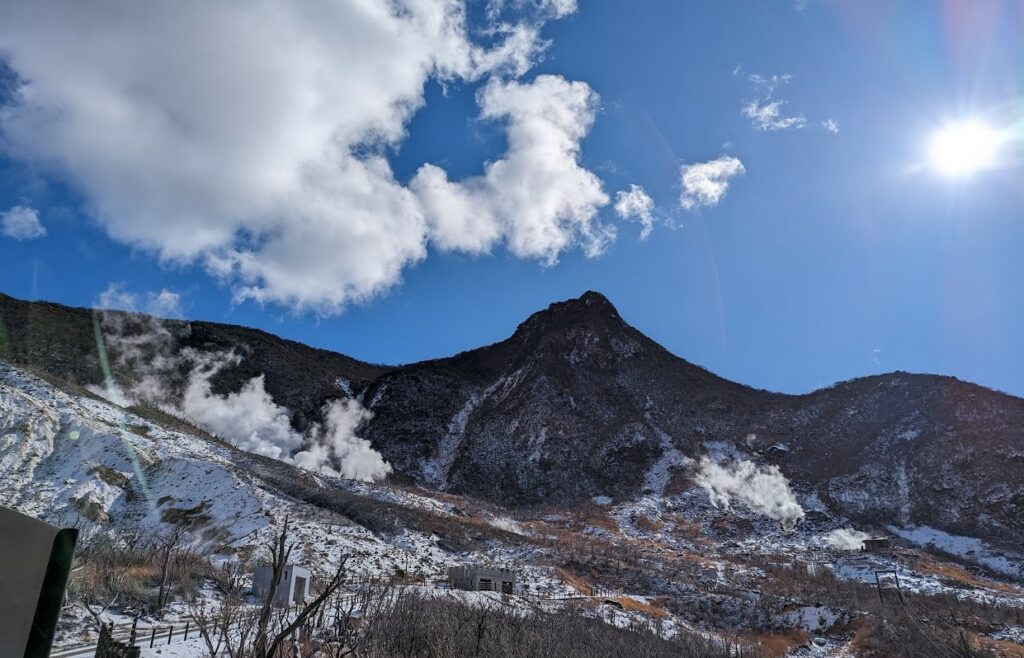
<point x="705" y="183"/>
<point x="765" y="110"/>
<point x="831" y="125"/>
<point x="637" y="205"/>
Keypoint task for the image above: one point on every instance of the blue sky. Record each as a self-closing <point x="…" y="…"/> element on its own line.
<point x="832" y="255"/>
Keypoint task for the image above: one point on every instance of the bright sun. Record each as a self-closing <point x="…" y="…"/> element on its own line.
<point x="962" y="148"/>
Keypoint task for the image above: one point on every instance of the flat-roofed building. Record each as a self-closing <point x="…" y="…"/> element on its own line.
<point x="483" y="579"/>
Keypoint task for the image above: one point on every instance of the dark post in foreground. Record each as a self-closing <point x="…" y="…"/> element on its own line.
<point x="35" y="559"/>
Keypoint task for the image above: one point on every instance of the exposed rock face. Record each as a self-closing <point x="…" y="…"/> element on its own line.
<point x="578" y="403"/>
<point x="575" y="403"/>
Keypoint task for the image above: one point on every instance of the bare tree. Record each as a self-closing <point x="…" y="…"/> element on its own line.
<point x="267" y="643"/>
<point x="167" y="546"/>
<point x="240" y="633"/>
<point x="97" y="578"/>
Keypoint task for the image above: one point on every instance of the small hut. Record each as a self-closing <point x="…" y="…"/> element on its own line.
<point x="292" y="588"/>
<point x="875" y="544"/>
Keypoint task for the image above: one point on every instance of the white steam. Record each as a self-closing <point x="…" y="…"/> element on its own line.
<point x="765" y="490"/>
<point x="337" y="443"/>
<point x="846" y="539"/>
<point x="248" y="418"/>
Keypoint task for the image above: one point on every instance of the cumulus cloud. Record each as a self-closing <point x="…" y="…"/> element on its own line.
<point x="260" y="150"/>
<point x="846" y="539"/>
<point x="637" y="205"/>
<point x="22" y="223"/>
<point x="765" y="110"/>
<point x="764" y="490"/>
<point x="831" y="125"/>
<point x="705" y="183"/>
<point x="537" y="198"/>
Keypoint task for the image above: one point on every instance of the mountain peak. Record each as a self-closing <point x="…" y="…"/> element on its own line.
<point x="589" y="308"/>
<point x="589" y="304"/>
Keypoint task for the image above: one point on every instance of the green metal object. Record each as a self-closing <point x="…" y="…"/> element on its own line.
<point x="35" y="560"/>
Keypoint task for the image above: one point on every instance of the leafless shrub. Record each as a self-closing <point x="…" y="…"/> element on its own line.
<point x="236" y="629"/>
<point x="412" y="626"/>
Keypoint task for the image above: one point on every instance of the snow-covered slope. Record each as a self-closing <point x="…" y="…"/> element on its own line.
<point x="696" y="555"/>
<point x="73" y="458"/>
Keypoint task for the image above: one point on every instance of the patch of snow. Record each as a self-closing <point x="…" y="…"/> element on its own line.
<point x="967" y="548"/>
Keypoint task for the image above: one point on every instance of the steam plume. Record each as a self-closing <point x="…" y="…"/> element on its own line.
<point x="846" y="539"/>
<point x="764" y="490"/>
<point x="179" y="381"/>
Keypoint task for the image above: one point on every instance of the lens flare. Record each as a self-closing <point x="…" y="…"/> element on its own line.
<point x="963" y="148"/>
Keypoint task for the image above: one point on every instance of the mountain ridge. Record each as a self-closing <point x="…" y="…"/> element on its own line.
<point x="577" y="403"/>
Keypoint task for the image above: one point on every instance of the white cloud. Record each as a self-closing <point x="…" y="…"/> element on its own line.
<point x="765" y="111"/>
<point x="765" y="490"/>
<point x="767" y="115"/>
<point x="22" y="223"/>
<point x="831" y="125"/>
<point x="705" y="183"/>
<point x="537" y="198"/>
<point x="636" y="204"/>
<point x="163" y="303"/>
<point x="259" y="150"/>
<point x="551" y="8"/>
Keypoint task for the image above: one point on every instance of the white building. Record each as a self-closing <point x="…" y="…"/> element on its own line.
<point x="293" y="587"/>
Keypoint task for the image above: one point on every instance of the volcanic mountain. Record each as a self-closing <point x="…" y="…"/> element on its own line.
<point x="577" y="403"/>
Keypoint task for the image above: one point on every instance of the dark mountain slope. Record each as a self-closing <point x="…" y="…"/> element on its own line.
<point x="575" y="403"/>
<point x="61" y="340"/>
<point x="578" y="403"/>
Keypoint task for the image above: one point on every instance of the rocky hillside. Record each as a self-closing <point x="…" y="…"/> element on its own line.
<point x="577" y="403"/>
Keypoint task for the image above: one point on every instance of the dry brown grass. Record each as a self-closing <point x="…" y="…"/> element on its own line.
<point x="649" y="524"/>
<point x="598" y="517"/>
<point x="684" y="527"/>
<point x="961" y="575"/>
<point x="575" y="581"/>
<point x="860" y="638"/>
<point x="652" y="610"/>
<point x="1002" y="648"/>
<point x="776" y="645"/>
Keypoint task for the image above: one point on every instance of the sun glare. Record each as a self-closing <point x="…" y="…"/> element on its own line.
<point x="963" y="148"/>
